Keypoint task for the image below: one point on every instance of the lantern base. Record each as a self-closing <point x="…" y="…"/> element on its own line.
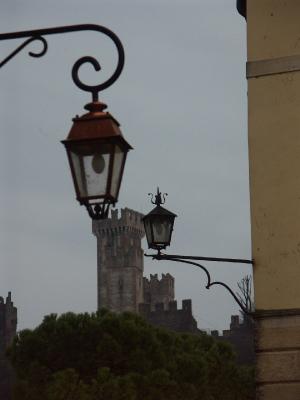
<point x="98" y="211"/>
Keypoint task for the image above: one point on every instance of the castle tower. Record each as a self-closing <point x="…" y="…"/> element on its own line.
<point x="158" y="290"/>
<point x="120" y="261"/>
<point x="8" y="327"/>
<point x="8" y="322"/>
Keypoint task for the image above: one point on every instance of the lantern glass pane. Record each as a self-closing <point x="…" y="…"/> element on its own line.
<point x="117" y="169"/>
<point x="162" y="229"/>
<point x="91" y="167"/>
<point x="147" y="225"/>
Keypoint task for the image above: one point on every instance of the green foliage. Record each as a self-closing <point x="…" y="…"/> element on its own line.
<point x="105" y="356"/>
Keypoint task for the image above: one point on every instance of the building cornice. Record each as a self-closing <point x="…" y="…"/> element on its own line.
<point x="260" y="314"/>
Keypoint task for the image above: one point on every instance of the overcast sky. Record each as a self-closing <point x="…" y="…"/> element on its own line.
<point x="182" y="105"/>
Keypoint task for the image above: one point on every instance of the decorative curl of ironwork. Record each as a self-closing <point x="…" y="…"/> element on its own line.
<point x="159" y="198"/>
<point x="38" y="34"/>
<point x="31" y="53"/>
<point x="210" y="283"/>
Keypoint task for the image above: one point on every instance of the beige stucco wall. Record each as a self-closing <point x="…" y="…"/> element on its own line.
<point x="273" y="28"/>
<point x="274" y="155"/>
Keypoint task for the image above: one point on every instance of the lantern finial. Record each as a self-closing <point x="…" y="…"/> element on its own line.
<point x="159" y="198"/>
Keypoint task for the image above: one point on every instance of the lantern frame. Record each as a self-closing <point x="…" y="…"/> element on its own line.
<point x="159" y="213"/>
<point x="96" y="129"/>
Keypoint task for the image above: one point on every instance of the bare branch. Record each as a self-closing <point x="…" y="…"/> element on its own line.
<point x="245" y="293"/>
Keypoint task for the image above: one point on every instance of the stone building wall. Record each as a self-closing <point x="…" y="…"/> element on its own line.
<point x="8" y="327"/>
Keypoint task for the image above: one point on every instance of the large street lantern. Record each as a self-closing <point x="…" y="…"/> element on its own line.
<point x="95" y="146"/>
<point x="97" y="153"/>
<point x="159" y="225"/>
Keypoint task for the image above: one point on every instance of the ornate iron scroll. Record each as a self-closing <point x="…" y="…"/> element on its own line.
<point x="38" y="35"/>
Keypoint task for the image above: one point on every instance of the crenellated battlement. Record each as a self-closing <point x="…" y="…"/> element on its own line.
<point x="145" y="308"/>
<point x="236" y="325"/>
<point x="155" y="279"/>
<point x="170" y="316"/>
<point x="158" y="290"/>
<point x="119" y="223"/>
<point x="241" y="337"/>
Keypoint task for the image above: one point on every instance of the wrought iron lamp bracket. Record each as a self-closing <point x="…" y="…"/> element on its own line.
<point x="38" y="35"/>
<point x="191" y="260"/>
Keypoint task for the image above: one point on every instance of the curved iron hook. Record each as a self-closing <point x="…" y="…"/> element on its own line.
<point x="37" y="35"/>
<point x="209" y="284"/>
<point x="95" y="89"/>
<point x="31" y="53"/>
<point x="232" y="294"/>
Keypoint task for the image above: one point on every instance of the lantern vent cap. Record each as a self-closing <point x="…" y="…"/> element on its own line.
<point x="159" y="210"/>
<point x="159" y="199"/>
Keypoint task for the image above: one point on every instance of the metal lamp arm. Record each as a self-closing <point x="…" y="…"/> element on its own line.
<point x="185" y="259"/>
<point x="38" y="34"/>
<point x="217" y="259"/>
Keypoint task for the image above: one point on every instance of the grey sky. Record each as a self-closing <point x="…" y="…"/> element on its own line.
<point x="182" y="105"/>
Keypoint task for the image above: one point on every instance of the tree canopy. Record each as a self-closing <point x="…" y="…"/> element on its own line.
<point x="105" y="356"/>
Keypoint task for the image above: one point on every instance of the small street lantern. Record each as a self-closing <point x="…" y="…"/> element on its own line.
<point x="97" y="153"/>
<point x="159" y="224"/>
